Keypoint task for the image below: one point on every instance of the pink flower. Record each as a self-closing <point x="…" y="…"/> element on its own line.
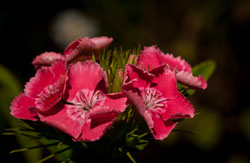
<point x="154" y="94"/>
<point x="152" y="57"/>
<point x="86" y="47"/>
<point x="41" y="93"/>
<point x="89" y="110"/>
<point x="46" y="59"/>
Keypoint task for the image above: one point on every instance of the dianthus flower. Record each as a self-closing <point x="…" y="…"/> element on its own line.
<point x="154" y="94"/>
<point x="88" y="110"/>
<point x="42" y="92"/>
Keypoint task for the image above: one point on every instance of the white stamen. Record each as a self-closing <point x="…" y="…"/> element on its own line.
<point x="153" y="98"/>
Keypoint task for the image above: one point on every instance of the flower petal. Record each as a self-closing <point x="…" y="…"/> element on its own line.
<point x="59" y="118"/>
<point x="94" y="128"/>
<point x="82" y="47"/>
<point x="149" y="58"/>
<point x="135" y="99"/>
<point x="152" y="57"/>
<point x="143" y="78"/>
<point x="42" y="79"/>
<point x="179" y="107"/>
<point x="189" y="80"/>
<point x="20" y="107"/>
<point x="165" y="82"/>
<point x="85" y="47"/>
<point x="161" y="128"/>
<point x="48" y="98"/>
<point x="99" y="119"/>
<point x="114" y="102"/>
<point x="46" y="59"/>
<point x="47" y="86"/>
<point x="175" y="63"/>
<point x="85" y="75"/>
<point x="103" y="114"/>
<point x="102" y="42"/>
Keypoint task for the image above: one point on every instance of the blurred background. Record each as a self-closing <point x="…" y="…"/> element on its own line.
<point x="196" y="30"/>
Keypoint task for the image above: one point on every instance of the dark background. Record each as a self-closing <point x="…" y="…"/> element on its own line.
<point x="196" y="30"/>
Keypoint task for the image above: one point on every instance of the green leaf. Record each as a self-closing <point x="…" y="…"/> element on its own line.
<point x="9" y="88"/>
<point x="8" y="81"/>
<point x="206" y="69"/>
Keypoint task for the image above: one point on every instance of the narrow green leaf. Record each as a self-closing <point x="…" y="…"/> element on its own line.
<point x="52" y="155"/>
<point x="130" y="157"/>
<point x="141" y="146"/>
<point x="133" y="131"/>
<point x="19" y="150"/>
<point x="93" y="58"/>
<point x="117" y="83"/>
<point x="53" y="149"/>
<point x="142" y="135"/>
<point x="122" y="150"/>
<point x="35" y="147"/>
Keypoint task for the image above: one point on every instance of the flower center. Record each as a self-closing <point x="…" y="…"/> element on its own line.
<point x="87" y="98"/>
<point x="153" y="98"/>
<point x="84" y="100"/>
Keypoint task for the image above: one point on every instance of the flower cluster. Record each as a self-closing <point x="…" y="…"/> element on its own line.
<point x="70" y="92"/>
